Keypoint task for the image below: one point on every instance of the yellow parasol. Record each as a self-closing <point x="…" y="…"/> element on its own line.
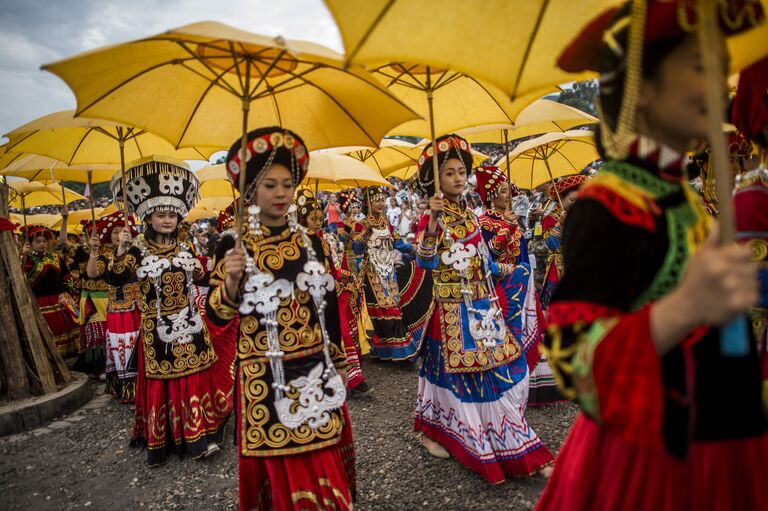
<point x="541" y="116"/>
<point x="215" y="182"/>
<point x="335" y="172"/>
<point x="198" y="213"/>
<point x="77" y="216"/>
<point x="410" y="169"/>
<point x="205" y="83"/>
<point x="211" y="172"/>
<point x="218" y="188"/>
<point x="28" y="194"/>
<point x="214" y="203"/>
<point x="512" y="44"/>
<point x="45" y="219"/>
<point x="35" y="167"/>
<point x="78" y="140"/>
<point x="542" y="159"/>
<point x="391" y="155"/>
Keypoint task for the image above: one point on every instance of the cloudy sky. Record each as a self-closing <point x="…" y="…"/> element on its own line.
<point x="36" y="32"/>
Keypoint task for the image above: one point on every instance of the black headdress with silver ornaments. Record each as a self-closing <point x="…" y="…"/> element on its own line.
<point x="157" y="183"/>
<point x="265" y="147"/>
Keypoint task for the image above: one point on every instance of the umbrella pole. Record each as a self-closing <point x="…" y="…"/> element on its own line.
<point x="90" y="196"/>
<point x="552" y="179"/>
<point x="243" y="166"/>
<point x="509" y="171"/>
<point x="435" y="170"/>
<point x="122" y="175"/>
<point x="733" y="337"/>
<point x="24" y="210"/>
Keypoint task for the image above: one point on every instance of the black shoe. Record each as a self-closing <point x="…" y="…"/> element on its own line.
<point x="361" y="390"/>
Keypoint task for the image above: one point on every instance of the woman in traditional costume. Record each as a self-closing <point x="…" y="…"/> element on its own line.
<point x="750" y="116"/>
<point x="563" y="194"/>
<point x="94" y="296"/>
<point x="185" y="381"/>
<point x="276" y="301"/>
<point x="53" y="285"/>
<point x="507" y="245"/>
<point x="123" y="316"/>
<point x="349" y="204"/>
<point x="671" y="416"/>
<point x="310" y="215"/>
<point x="377" y="242"/>
<point x="473" y="381"/>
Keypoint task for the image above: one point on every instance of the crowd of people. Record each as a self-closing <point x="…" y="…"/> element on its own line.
<point x="271" y="311"/>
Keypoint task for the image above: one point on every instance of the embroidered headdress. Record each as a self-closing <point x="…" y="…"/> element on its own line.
<point x="158" y="183"/>
<point x="265" y="147"/>
<point x="489" y="177"/>
<point x="615" y="44"/>
<point x="448" y="146"/>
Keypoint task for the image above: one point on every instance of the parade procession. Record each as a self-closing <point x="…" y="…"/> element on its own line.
<point x="384" y="255"/>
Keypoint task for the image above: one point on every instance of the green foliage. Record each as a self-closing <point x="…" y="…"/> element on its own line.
<point x="581" y="95"/>
<point x="99" y="190"/>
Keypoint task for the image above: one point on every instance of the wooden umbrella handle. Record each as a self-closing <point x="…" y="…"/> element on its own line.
<point x="734" y="340"/>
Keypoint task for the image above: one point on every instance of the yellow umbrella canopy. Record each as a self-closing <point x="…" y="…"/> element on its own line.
<point x="75" y="217"/>
<point x="409" y="170"/>
<point x="334" y="172"/>
<point x="214" y="203"/>
<point x="196" y="214"/>
<point x="79" y="140"/>
<point x="218" y="188"/>
<point x="205" y="83"/>
<point x="541" y="116"/>
<point x="212" y="172"/>
<point x="35" y="167"/>
<point x="514" y="45"/>
<point x="44" y="219"/>
<point x="457" y="100"/>
<point x="391" y="155"/>
<point x="31" y="193"/>
<point x="542" y="159"/>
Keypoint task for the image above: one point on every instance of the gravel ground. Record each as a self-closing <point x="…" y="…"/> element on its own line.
<point x="83" y="461"/>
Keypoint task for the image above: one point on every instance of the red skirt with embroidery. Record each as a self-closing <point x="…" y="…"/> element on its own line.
<point x="596" y="470"/>
<point x="349" y="338"/>
<point x="322" y="479"/>
<point x="123" y="329"/>
<point x="66" y="332"/>
<point x="187" y="413"/>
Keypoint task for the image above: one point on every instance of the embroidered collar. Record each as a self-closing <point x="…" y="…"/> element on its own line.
<point x="658" y="158"/>
<point x="156" y="248"/>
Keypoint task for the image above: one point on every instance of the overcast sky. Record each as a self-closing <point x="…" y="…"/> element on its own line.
<point x="36" y="32"/>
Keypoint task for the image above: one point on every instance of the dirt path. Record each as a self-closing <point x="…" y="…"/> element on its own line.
<point x="83" y="462"/>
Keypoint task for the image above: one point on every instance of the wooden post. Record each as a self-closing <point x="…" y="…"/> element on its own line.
<point x="58" y="362"/>
<point x="10" y="344"/>
<point x="26" y="305"/>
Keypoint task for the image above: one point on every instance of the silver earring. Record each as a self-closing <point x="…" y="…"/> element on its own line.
<point x="254" y="221"/>
<point x="293" y="223"/>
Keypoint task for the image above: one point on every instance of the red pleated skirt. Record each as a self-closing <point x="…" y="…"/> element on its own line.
<point x="321" y="480"/>
<point x="349" y="333"/>
<point x="187" y="413"/>
<point x="596" y="470"/>
<point x="66" y="332"/>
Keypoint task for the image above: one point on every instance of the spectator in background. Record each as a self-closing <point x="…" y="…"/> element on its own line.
<point x="393" y="212"/>
<point x="213" y="240"/>
<point x="332" y="213"/>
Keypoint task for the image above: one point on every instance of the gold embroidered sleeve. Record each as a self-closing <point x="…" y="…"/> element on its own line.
<point x="127" y="263"/>
<point x="338" y="356"/>
<point x="219" y="307"/>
